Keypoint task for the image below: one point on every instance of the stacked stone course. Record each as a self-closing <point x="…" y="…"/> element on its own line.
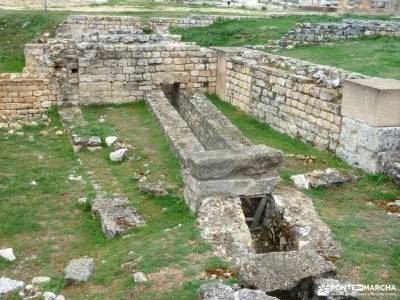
<point x="24" y="96"/>
<point x="294" y="97"/>
<point x="307" y="33"/>
<point x="121" y="73"/>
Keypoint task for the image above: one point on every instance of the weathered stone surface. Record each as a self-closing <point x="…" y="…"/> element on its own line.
<point x="79" y="270"/>
<point x="49" y="296"/>
<point x="222" y="222"/>
<point x="94" y="141"/>
<point x="139" y="277"/>
<point x="197" y="190"/>
<point x="389" y="162"/>
<point x="154" y="188"/>
<point x="40" y="279"/>
<point x="320" y="178"/>
<point x="8" y="285"/>
<point x="118" y="155"/>
<point x="7" y="254"/>
<point x="224" y="163"/>
<point x="110" y="140"/>
<point x="115" y="215"/>
<point x="219" y="291"/>
<point x="246" y="294"/>
<point x="215" y="291"/>
<point x="293" y="223"/>
<point x="285" y="275"/>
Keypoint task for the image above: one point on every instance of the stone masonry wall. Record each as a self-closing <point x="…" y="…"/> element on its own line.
<point x="76" y="25"/>
<point x="307" y="33"/>
<point x="295" y="97"/>
<point x="113" y="73"/>
<point x="23" y="97"/>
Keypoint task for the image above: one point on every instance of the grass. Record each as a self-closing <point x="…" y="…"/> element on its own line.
<point x="236" y="33"/>
<point x="372" y="56"/>
<point x="18" y="28"/>
<point x="46" y="226"/>
<point x="369" y="237"/>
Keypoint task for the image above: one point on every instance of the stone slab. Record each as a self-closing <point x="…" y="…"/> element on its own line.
<point x="375" y="101"/>
<point x="224" y="163"/>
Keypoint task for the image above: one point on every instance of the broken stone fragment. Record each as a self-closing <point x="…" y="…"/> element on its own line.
<point x="284" y="274"/>
<point x="154" y="188"/>
<point x="118" y="155"/>
<point x="320" y="178"/>
<point x="49" y="296"/>
<point x="7" y="254"/>
<point x="40" y="280"/>
<point x="8" y="285"/>
<point x="79" y="270"/>
<point x="111" y="140"/>
<point x="94" y="141"/>
<point x="139" y="277"/>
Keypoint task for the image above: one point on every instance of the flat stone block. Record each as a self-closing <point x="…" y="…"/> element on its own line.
<point x="216" y="164"/>
<point x="375" y="101"/>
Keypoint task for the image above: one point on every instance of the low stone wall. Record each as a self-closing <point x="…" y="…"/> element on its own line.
<point x="227" y="163"/>
<point x="161" y="25"/>
<point x="115" y="73"/>
<point x="308" y="33"/>
<point x="295" y="97"/>
<point x="76" y="25"/>
<point x="23" y="96"/>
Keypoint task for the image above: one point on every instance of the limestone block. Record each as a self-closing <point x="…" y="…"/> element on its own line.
<point x="374" y="101"/>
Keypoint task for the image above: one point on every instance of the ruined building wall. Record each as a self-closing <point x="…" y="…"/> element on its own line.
<point x="116" y="73"/>
<point x="308" y="33"/>
<point x="295" y="97"/>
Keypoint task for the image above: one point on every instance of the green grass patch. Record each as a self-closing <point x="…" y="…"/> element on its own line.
<point x="17" y="29"/>
<point x="371" y="56"/>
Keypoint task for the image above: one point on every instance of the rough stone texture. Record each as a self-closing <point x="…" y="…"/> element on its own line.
<point x="79" y="270"/>
<point x="215" y="291"/>
<point x="320" y="178"/>
<point x="181" y="138"/>
<point x="246" y="294"/>
<point x="221" y="221"/>
<point x="8" y="285"/>
<point x="211" y="126"/>
<point x="219" y="291"/>
<point x="318" y="33"/>
<point x="360" y="143"/>
<point x="221" y="164"/>
<point x="293" y="96"/>
<point x="293" y="224"/>
<point x="115" y="215"/>
<point x="112" y="73"/>
<point x="286" y="275"/>
<point x="389" y="162"/>
<point x="23" y="95"/>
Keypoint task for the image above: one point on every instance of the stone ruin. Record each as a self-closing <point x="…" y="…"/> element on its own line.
<point x="229" y="182"/>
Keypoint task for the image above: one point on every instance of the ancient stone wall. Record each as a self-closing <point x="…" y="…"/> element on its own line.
<point x="76" y="25"/>
<point x="114" y="73"/>
<point x="22" y="96"/>
<point x="295" y="97"/>
<point x="307" y="33"/>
